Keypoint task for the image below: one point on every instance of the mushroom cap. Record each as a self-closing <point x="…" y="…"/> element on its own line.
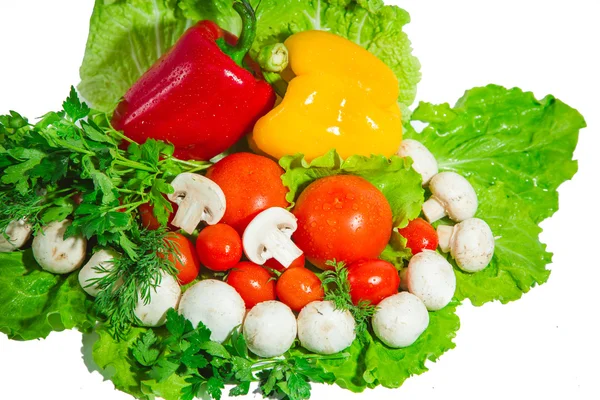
<point x="274" y="226"/>
<point x="400" y="319"/>
<point x="456" y="194"/>
<point x="431" y="278"/>
<point x="216" y="304"/>
<point x="423" y="161"/>
<point x="324" y="330"/>
<point x="18" y="233"/>
<point x="88" y="273"/>
<point x="472" y="245"/>
<point x="58" y="255"/>
<point x="165" y="296"/>
<point x="270" y="329"/>
<point x="199" y="199"/>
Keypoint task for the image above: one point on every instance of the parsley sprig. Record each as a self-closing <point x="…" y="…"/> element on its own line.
<point x="337" y="290"/>
<point x="207" y="366"/>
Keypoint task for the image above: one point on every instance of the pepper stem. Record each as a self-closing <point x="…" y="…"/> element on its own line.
<point x="246" y="39"/>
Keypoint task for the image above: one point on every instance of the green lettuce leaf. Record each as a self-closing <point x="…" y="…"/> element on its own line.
<point x="503" y="135"/>
<point x="516" y="151"/>
<point x="115" y="359"/>
<point x="36" y="302"/>
<point x="372" y="363"/>
<point x="394" y="177"/>
<point x="126" y="37"/>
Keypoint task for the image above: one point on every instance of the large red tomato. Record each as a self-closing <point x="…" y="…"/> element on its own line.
<point x="344" y="218"/>
<point x="251" y="184"/>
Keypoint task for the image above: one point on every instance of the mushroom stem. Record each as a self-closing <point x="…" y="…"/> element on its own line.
<point x="445" y="233"/>
<point x="281" y="248"/>
<point x="188" y="218"/>
<point x="433" y="210"/>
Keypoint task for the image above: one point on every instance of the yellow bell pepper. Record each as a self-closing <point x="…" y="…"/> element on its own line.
<point x="340" y="96"/>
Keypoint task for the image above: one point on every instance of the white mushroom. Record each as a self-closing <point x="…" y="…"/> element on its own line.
<point x="452" y="195"/>
<point x="423" y="161"/>
<point x="56" y="254"/>
<point x="102" y="259"/>
<point x="400" y="319"/>
<point x="431" y="278"/>
<point x="216" y="304"/>
<point x="270" y="329"/>
<point x="17" y="234"/>
<point x="324" y="330"/>
<point x="470" y="243"/>
<point x="199" y="199"/>
<point x="166" y="295"/>
<point x="269" y="236"/>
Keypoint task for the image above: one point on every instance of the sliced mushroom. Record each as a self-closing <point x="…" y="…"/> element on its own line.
<point x="199" y="199"/>
<point x="423" y="161"/>
<point x="470" y="243"/>
<point x="269" y="235"/>
<point x="17" y="234"/>
<point x="452" y="195"/>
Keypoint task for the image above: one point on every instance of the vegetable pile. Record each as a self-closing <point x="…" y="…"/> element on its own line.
<point x="243" y="197"/>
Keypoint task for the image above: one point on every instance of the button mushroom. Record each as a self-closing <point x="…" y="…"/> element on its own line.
<point x="269" y="235"/>
<point x="164" y="296"/>
<point x="95" y="269"/>
<point x="400" y="319"/>
<point x="423" y="161"/>
<point x="270" y="329"/>
<point x="324" y="330"/>
<point x="56" y="254"/>
<point x="452" y="195"/>
<point x="431" y="278"/>
<point x="199" y="199"/>
<point x="470" y="243"/>
<point x="17" y="234"/>
<point x="216" y="304"/>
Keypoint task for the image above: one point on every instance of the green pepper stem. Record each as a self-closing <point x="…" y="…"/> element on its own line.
<point x="274" y="58"/>
<point x="248" y="34"/>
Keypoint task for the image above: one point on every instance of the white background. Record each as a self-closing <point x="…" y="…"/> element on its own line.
<point x="545" y="345"/>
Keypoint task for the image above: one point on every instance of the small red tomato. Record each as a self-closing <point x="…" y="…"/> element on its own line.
<point x="343" y="218"/>
<point x="254" y="283"/>
<point x="251" y="184"/>
<point x="276" y="265"/>
<point x="219" y="247"/>
<point x="419" y="235"/>
<point x="297" y="287"/>
<point x="372" y="280"/>
<point x="187" y="262"/>
<point x="149" y="220"/>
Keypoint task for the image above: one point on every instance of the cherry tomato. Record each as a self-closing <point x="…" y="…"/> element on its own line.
<point x="187" y="262"/>
<point x="251" y="184"/>
<point x="344" y="218"/>
<point x="276" y="265"/>
<point x="149" y="220"/>
<point x="372" y="280"/>
<point x="297" y="287"/>
<point x="419" y="235"/>
<point x="219" y="247"/>
<point x="254" y="283"/>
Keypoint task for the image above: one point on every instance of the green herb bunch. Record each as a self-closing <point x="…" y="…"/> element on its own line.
<point x="72" y="163"/>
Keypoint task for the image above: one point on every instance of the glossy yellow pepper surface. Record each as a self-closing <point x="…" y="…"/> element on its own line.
<point x="340" y="96"/>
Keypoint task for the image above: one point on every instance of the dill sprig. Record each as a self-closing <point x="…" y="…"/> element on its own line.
<point x="337" y="290"/>
<point x="128" y="280"/>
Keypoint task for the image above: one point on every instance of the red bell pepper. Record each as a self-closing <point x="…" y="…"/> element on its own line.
<point x="198" y="96"/>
